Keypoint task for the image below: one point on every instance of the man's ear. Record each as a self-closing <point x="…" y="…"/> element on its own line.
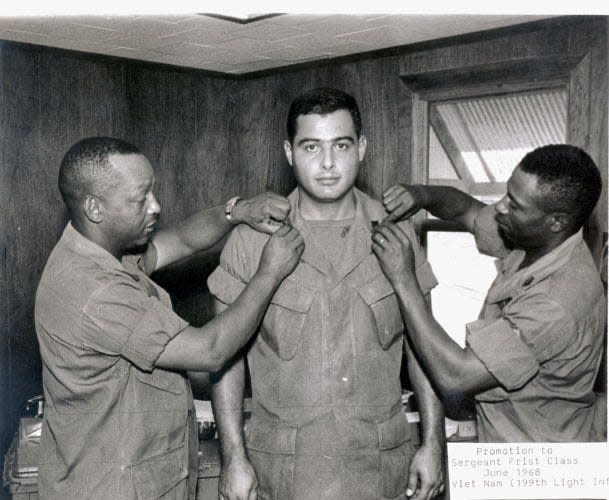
<point x="93" y="209"/>
<point x="287" y="147"/>
<point x="361" y="147"/>
<point x="560" y="221"/>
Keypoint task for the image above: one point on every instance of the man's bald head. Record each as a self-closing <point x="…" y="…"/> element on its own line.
<point x="86" y="169"/>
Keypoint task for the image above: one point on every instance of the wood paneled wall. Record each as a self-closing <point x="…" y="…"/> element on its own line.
<point x="49" y="99"/>
<point x="208" y="138"/>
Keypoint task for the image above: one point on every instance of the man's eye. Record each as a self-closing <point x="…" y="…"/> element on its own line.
<point x="311" y="147"/>
<point x="342" y="145"/>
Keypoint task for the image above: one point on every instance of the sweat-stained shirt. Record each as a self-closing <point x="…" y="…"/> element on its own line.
<point x="327" y="419"/>
<point x="115" y="426"/>
<point x="540" y="334"/>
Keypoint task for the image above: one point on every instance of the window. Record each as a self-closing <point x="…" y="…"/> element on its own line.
<point x="474" y="144"/>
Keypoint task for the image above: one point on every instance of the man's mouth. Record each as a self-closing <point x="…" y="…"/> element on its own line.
<point x="150" y="227"/>
<point x="327" y="181"/>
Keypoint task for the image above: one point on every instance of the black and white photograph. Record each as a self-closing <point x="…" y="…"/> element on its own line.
<point x="321" y="252"/>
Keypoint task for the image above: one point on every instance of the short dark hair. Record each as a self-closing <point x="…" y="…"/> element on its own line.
<point x="322" y="101"/>
<point x="85" y="168"/>
<point x="568" y="179"/>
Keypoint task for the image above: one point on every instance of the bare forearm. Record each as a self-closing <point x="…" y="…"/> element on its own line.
<point x="430" y="406"/>
<point x="447" y="203"/>
<point x="438" y="353"/>
<point x="198" y="232"/>
<point x="227" y="403"/>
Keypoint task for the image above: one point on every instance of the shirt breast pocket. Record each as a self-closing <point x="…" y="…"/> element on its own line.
<point x="380" y="297"/>
<point x="285" y="318"/>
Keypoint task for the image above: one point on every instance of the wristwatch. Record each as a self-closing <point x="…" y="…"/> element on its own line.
<point x="228" y="209"/>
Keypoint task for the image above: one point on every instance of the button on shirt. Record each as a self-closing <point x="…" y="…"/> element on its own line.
<point x="115" y="426"/>
<point x="540" y="334"/>
<point x="325" y="367"/>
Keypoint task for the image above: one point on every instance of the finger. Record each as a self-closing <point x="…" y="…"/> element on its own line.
<point x="394" y="199"/>
<point x="277" y="210"/>
<point x="402" y="213"/>
<point x="412" y="484"/>
<point x="379" y="238"/>
<point x="276" y="198"/>
<point x="396" y="232"/>
<point x="424" y="492"/>
<point x="377" y="249"/>
<point x="392" y="191"/>
<point x="399" y="211"/>
<point x="383" y="233"/>
<point x="269" y="227"/>
<point x="404" y="237"/>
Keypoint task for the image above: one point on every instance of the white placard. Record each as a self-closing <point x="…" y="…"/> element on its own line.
<point x="528" y="470"/>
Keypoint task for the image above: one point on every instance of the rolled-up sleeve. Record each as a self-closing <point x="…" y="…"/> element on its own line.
<point x="497" y="344"/>
<point x="238" y="262"/>
<point x="120" y="319"/>
<point x="224" y="286"/>
<point x="532" y="330"/>
<point x="486" y="233"/>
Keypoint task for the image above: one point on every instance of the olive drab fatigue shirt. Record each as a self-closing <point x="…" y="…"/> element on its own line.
<point x="115" y="426"/>
<point x="540" y="334"/>
<point x="327" y="420"/>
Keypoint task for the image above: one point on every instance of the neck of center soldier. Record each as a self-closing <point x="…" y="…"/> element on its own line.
<point x="312" y="209"/>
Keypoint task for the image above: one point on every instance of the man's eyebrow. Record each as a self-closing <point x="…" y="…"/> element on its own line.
<point x="307" y="139"/>
<point x="344" y="138"/>
<point x="335" y="139"/>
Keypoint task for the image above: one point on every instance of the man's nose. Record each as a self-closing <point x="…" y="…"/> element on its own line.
<point x="501" y="205"/>
<point x="154" y="207"/>
<point x="328" y="159"/>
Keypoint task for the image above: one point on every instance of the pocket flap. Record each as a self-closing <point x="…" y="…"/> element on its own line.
<point x="375" y="289"/>
<point x="394" y="431"/>
<point x="157" y="475"/>
<point x="293" y="297"/>
<point x="162" y="379"/>
<point x="271" y="435"/>
<point x="285" y="318"/>
<point x="378" y="294"/>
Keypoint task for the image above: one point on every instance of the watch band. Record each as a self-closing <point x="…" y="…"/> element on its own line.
<point x="228" y="209"/>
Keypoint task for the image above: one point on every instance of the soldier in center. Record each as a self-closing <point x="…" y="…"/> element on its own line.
<point x="327" y="416"/>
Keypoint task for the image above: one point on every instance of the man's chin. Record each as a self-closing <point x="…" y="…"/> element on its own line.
<point x="507" y="239"/>
<point x="331" y="196"/>
<point x="140" y="245"/>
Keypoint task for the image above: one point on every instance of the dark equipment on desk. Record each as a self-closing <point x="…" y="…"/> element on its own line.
<point x="20" y="471"/>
